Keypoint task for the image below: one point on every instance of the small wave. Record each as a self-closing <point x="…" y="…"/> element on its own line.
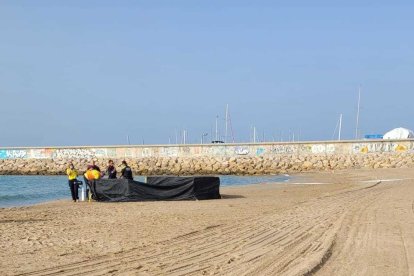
<point x="19" y="199"/>
<point x="13" y="197"/>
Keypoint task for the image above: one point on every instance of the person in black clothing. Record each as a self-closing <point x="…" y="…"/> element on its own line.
<point x="126" y="172"/>
<point x="111" y="171"/>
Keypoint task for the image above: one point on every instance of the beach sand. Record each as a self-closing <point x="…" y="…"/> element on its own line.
<point x="352" y="225"/>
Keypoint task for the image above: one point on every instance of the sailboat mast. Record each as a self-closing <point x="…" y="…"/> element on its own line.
<point x="340" y="128"/>
<point x="231" y="129"/>
<point x="358" y="111"/>
<point x="217" y="128"/>
<point x="227" y="119"/>
<point x="254" y="134"/>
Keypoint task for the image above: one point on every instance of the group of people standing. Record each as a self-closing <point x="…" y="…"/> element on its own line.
<point x="93" y="172"/>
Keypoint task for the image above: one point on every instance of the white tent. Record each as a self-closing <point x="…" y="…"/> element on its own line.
<point x="399" y="133"/>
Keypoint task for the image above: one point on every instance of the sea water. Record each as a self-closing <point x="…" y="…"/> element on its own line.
<point x="29" y="190"/>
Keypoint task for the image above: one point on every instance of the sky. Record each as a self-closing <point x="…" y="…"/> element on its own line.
<point x="105" y="72"/>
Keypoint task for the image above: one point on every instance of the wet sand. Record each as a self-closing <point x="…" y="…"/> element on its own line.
<point x="349" y="223"/>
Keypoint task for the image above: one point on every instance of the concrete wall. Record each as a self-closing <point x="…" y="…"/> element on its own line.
<point x="262" y="158"/>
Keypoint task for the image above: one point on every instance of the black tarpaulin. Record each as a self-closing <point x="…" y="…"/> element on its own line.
<point x="156" y="188"/>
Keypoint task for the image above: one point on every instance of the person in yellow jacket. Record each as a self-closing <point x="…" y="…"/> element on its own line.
<point x="72" y="174"/>
<point x="92" y="173"/>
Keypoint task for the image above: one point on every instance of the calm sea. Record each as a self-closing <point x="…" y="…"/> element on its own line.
<point x="29" y="190"/>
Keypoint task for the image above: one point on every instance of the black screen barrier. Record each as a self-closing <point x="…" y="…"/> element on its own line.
<point x="156" y="188"/>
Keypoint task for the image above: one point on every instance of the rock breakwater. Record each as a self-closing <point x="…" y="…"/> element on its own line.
<point x="239" y="165"/>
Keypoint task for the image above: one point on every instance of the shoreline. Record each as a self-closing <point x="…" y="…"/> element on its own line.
<point x="35" y="204"/>
<point x="283" y="179"/>
<point x="298" y="177"/>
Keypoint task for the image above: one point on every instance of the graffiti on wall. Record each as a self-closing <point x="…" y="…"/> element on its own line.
<point x="207" y="150"/>
<point x="13" y="154"/>
<point x="169" y="151"/>
<point x="41" y="153"/>
<point x="214" y="150"/>
<point x="260" y="151"/>
<point x="111" y="153"/>
<point x="283" y="149"/>
<point x="128" y="152"/>
<point x="318" y="149"/>
<point x="79" y="153"/>
<point x="72" y="153"/>
<point x="100" y="152"/>
<point x="401" y="148"/>
<point x="305" y="149"/>
<point x="379" y="147"/>
<point x="146" y="152"/>
<point x="195" y="150"/>
<point x="240" y="150"/>
<point x="185" y="150"/>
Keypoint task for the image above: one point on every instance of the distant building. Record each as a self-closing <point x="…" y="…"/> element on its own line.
<point x="373" y="136"/>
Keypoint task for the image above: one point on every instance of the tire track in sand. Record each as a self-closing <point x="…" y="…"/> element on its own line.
<point x="378" y="239"/>
<point x="292" y="242"/>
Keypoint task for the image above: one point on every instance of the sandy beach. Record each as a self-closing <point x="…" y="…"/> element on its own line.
<point x="356" y="222"/>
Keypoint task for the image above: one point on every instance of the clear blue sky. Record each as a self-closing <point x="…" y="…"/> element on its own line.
<point x="93" y="72"/>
